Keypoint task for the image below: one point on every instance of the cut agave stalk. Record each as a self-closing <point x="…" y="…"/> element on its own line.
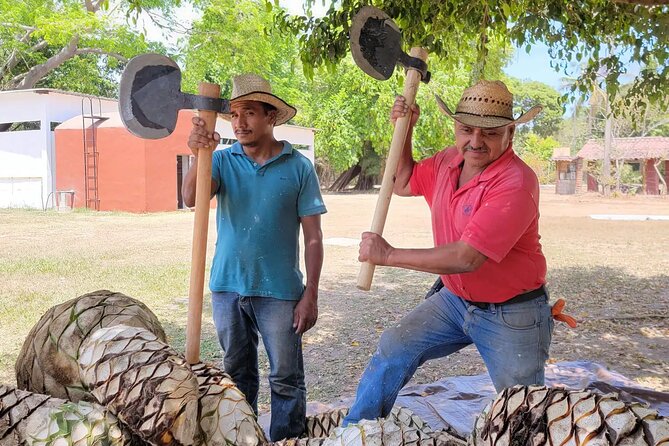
<point x="145" y="383"/>
<point x="47" y="362"/>
<point x="537" y="416"/>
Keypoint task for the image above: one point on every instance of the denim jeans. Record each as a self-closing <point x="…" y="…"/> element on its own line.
<point x="513" y="341"/>
<point x="238" y="321"/>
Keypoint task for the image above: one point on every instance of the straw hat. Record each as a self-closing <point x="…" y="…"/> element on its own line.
<point x="488" y="104"/>
<point x="251" y="87"/>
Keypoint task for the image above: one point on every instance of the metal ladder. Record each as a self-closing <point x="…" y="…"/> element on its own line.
<point x="89" y="123"/>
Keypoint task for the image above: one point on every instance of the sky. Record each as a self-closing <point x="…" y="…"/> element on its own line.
<point x="534" y="66"/>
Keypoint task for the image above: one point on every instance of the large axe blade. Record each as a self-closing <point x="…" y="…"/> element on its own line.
<point x="150" y="98"/>
<point x="376" y="49"/>
<point x="376" y="45"/>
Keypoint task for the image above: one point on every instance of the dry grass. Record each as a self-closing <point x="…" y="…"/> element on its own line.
<point x="613" y="274"/>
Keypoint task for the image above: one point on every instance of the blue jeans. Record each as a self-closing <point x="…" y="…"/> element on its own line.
<point x="238" y="321"/>
<point x="512" y="339"/>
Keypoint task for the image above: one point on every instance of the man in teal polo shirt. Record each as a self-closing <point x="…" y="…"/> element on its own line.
<point x="265" y="191"/>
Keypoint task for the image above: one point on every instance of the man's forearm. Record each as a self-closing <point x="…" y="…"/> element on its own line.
<point x="189" y="184"/>
<point x="404" y="168"/>
<point x="452" y="258"/>
<point x="313" y="259"/>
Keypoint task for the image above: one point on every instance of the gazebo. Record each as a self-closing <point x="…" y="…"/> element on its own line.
<point x="650" y="154"/>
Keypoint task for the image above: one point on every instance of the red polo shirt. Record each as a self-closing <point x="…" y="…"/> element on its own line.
<point x="496" y="212"/>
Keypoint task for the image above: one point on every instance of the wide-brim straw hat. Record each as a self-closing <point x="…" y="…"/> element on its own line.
<point x="251" y="87"/>
<point x="487" y="104"/>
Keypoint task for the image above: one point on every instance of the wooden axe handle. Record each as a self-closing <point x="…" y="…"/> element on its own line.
<point x="396" y="146"/>
<point x="200" y="229"/>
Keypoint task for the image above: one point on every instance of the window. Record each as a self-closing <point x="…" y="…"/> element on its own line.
<point x="20" y="126"/>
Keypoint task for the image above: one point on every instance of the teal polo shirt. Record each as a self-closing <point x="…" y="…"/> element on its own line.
<point x="258" y="221"/>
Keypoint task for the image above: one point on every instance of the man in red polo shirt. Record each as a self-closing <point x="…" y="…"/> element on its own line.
<point x="484" y="202"/>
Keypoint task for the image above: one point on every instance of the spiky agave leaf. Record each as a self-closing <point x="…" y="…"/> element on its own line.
<point x="226" y="418"/>
<point x="145" y="383"/>
<point x="34" y="419"/>
<point x="47" y="362"/>
<point x="538" y="415"/>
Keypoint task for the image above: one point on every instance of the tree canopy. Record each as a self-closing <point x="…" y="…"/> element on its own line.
<point x="70" y="44"/>
<point x="598" y="41"/>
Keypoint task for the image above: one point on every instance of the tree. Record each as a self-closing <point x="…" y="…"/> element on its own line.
<point x="573" y="31"/>
<point x="233" y="37"/>
<point x="529" y="93"/>
<point x="70" y="44"/>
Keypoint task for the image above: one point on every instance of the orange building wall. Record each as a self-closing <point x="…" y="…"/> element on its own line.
<point x="134" y="175"/>
<point x="69" y="158"/>
<point x="121" y="181"/>
<point x="161" y="165"/>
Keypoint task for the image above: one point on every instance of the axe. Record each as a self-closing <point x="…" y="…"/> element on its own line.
<point x="150" y="98"/>
<point x="376" y="47"/>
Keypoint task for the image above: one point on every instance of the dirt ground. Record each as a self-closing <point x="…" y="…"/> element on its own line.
<point x="614" y="276"/>
<point x="601" y="268"/>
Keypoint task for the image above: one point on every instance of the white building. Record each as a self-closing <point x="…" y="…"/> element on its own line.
<point x="27" y="170"/>
<point x="301" y="138"/>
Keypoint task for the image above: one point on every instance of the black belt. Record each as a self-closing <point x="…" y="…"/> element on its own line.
<point x="514" y="300"/>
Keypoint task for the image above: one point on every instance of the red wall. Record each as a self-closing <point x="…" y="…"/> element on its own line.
<point x="652" y="186"/>
<point x="134" y="175"/>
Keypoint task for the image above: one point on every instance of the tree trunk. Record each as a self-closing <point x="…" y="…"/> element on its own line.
<point x="367" y="171"/>
<point x="346" y="177"/>
<point x="365" y="182"/>
<point x="608" y="139"/>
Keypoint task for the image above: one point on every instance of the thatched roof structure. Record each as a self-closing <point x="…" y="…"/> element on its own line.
<point x="640" y="148"/>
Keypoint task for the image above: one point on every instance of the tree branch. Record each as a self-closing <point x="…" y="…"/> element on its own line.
<point x="644" y="2"/>
<point x="16" y="79"/>
<point x="16" y="25"/>
<point x="654" y="126"/>
<point x="101" y="52"/>
<point x="32" y="76"/>
<point x="13" y="59"/>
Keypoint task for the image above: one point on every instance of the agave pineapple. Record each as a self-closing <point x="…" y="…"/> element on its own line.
<point x="536" y="416"/>
<point x="225" y="416"/>
<point x="47" y="362"/>
<point x="33" y="419"/>
<point x="144" y="382"/>
<point x="400" y="428"/>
